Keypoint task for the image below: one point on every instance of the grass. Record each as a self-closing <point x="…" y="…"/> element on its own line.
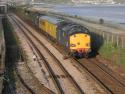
<point x="107" y="50"/>
<point x="113" y="53"/>
<point x="121" y="57"/>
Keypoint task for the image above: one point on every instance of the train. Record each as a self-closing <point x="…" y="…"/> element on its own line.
<point x="74" y="37"/>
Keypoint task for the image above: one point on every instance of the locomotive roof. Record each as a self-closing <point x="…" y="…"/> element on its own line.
<point x="73" y="27"/>
<point x="53" y="20"/>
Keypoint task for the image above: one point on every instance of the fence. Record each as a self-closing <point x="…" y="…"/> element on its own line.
<point x="108" y="37"/>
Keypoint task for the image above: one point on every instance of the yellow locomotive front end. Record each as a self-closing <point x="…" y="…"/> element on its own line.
<point x="80" y="44"/>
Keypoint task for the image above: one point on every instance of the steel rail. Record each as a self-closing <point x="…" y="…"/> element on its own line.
<point x="58" y="62"/>
<point x="55" y="80"/>
<point x="99" y="79"/>
<point x="23" y="58"/>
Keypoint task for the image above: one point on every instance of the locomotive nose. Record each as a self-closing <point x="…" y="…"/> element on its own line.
<point x="80" y="43"/>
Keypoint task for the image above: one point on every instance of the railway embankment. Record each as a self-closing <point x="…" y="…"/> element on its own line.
<point x="26" y="68"/>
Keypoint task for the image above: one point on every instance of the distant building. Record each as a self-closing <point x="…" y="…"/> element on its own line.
<point x="3" y="7"/>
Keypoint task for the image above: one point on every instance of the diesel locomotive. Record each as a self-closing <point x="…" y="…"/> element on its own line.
<point x="72" y="36"/>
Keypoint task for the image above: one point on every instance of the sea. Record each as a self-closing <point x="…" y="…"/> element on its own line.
<point x="113" y="13"/>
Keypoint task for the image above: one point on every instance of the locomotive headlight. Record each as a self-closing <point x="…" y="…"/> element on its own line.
<point x="73" y="45"/>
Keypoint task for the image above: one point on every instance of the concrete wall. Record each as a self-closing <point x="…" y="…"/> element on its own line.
<point x="2" y="55"/>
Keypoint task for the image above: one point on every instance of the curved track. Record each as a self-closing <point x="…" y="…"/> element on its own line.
<point x="22" y="70"/>
<point x="108" y="80"/>
<point x="62" y="78"/>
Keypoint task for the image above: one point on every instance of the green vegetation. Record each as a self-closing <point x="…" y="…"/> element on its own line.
<point x="113" y="53"/>
<point x="121" y="57"/>
<point x="107" y="50"/>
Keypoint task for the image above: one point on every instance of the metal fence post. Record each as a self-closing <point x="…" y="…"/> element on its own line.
<point x="117" y="41"/>
<point x="112" y="38"/>
<point x="122" y="42"/>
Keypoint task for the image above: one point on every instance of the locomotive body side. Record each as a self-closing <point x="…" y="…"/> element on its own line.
<point x="48" y="25"/>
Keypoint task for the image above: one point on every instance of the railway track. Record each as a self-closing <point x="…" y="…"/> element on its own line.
<point x="64" y="81"/>
<point x="108" y="87"/>
<point x="112" y="84"/>
<point x="36" y="89"/>
<point x="22" y="72"/>
<point x="103" y="62"/>
<point x="31" y="44"/>
<point x="117" y="77"/>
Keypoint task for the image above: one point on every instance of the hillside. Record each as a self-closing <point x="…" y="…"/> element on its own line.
<point x="120" y="1"/>
<point x="83" y="1"/>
